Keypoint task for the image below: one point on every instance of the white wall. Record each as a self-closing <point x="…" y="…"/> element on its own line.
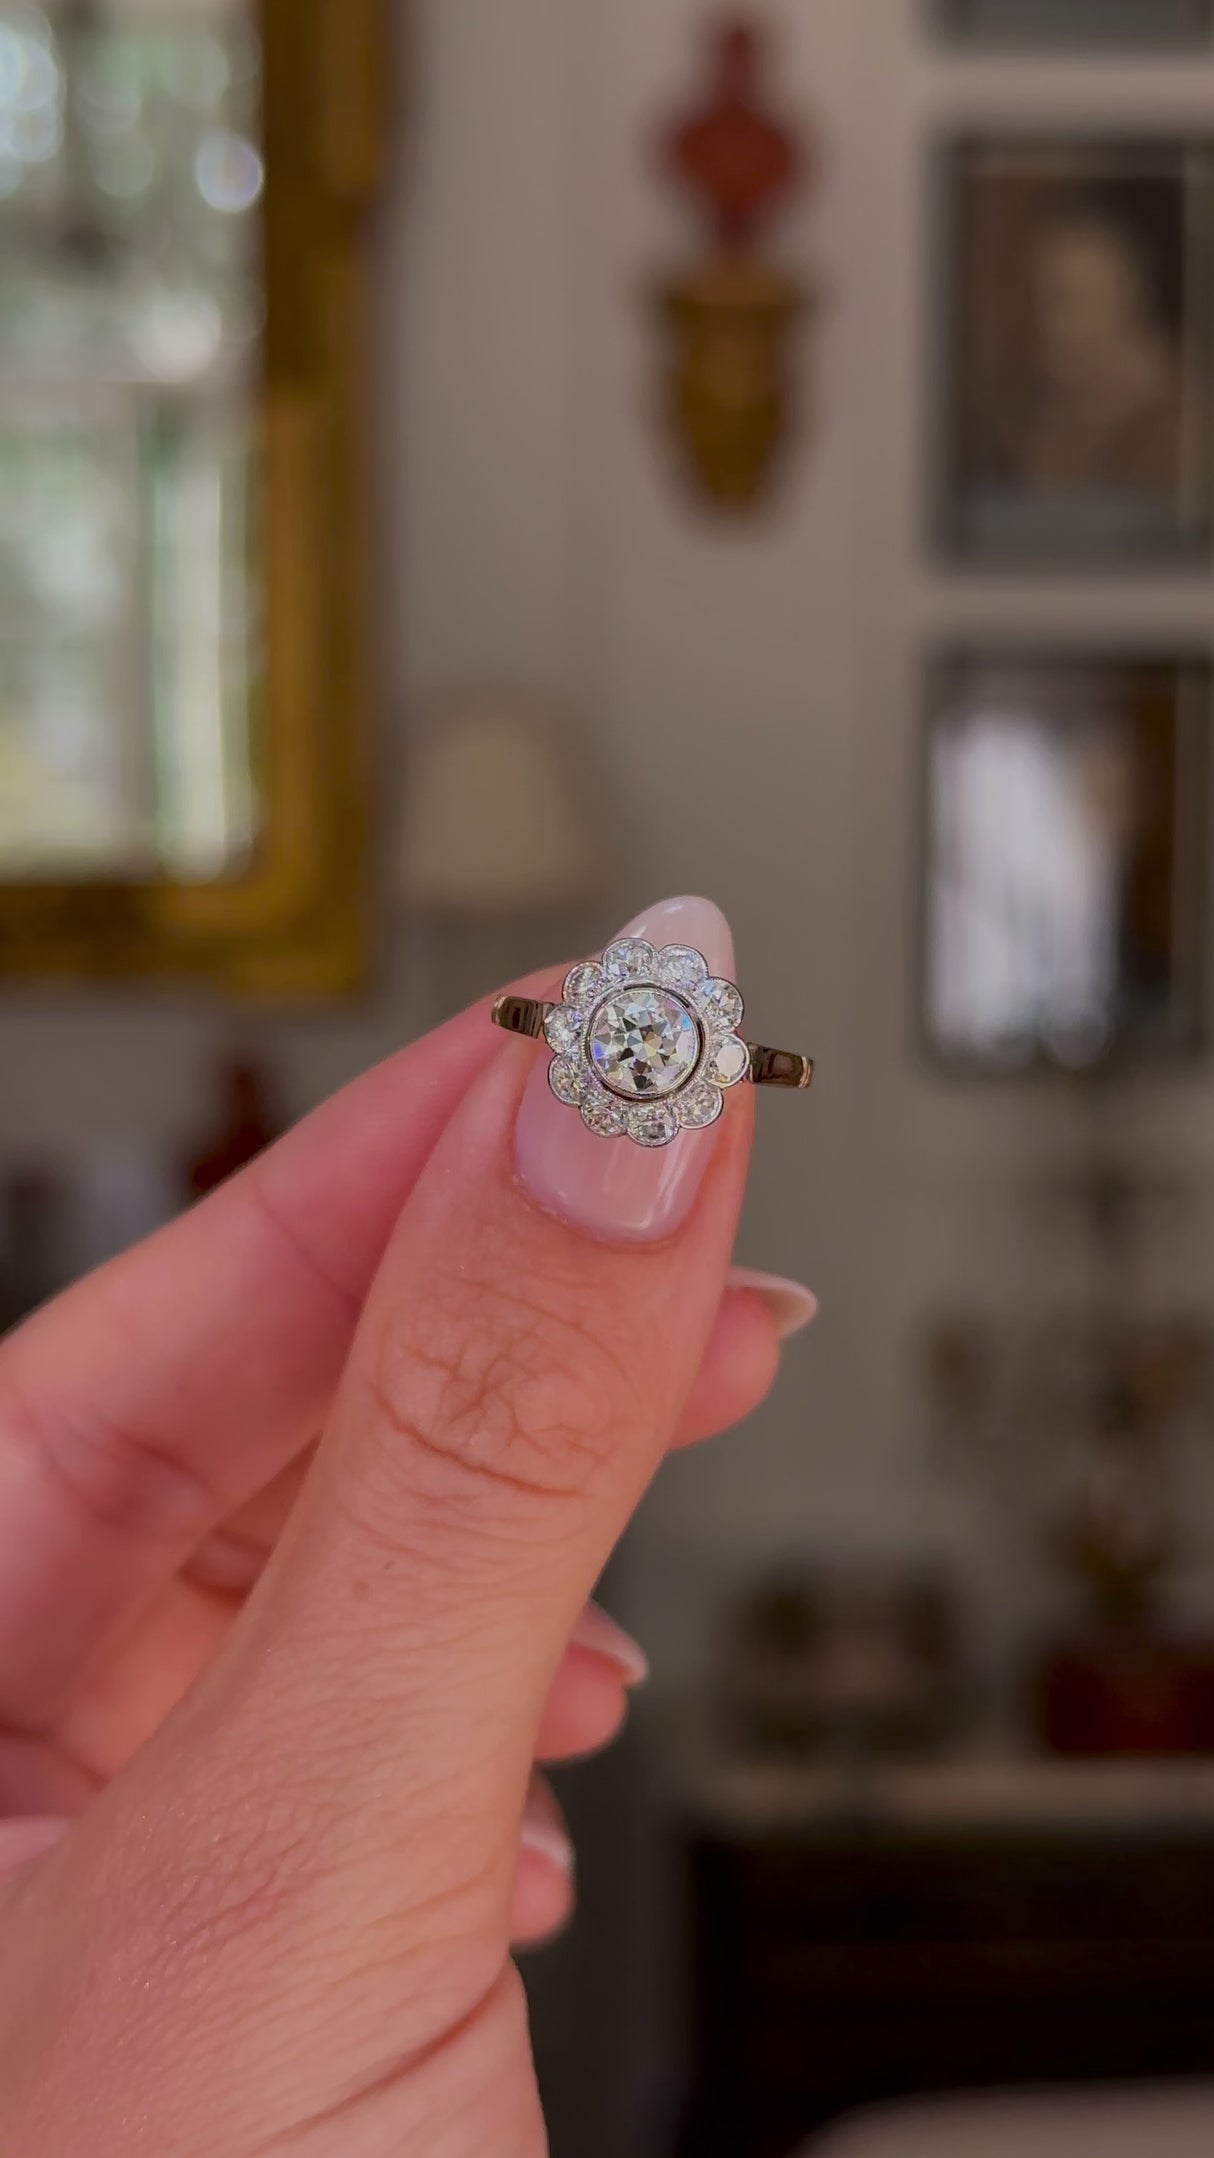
<point x="763" y="679"/>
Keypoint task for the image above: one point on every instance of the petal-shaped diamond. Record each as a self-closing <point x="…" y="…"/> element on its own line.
<point x="583" y="988"/>
<point x="679" y="967"/>
<point x="699" y="1105"/>
<point x="730" y="1061"/>
<point x="603" y="1115"/>
<point x="656" y="1124"/>
<point x="722" y="1006"/>
<point x="569" y="1079"/>
<point x="630" y="960"/>
<point x="563" y="1030"/>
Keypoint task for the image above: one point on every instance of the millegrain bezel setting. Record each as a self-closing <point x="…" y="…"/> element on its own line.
<point x="679" y="980"/>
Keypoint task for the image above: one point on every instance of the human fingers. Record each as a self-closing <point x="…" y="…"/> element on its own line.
<point x="126" y="1700"/>
<point x="588" y="1697"/>
<point x="542" y="1898"/>
<point x="159" y="1395"/>
<point x="356" y="1764"/>
<point x="542" y="1893"/>
<point x="758" y="1313"/>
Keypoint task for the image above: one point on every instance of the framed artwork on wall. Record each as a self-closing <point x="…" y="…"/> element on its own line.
<point x="1065" y="858"/>
<point x="1128" y="23"/>
<point x="1075" y="420"/>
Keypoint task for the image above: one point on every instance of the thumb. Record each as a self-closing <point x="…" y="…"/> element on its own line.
<point x="350" y="1780"/>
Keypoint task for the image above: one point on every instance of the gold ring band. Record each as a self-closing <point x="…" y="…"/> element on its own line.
<point x="768" y="1067"/>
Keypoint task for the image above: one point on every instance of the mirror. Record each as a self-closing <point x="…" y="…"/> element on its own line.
<point x="1063" y="919"/>
<point x="182" y="677"/>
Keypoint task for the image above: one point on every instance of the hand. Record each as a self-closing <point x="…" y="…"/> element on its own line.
<point x="270" y="1710"/>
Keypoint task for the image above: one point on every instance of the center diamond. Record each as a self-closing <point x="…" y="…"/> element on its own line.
<point x="644" y="1043"/>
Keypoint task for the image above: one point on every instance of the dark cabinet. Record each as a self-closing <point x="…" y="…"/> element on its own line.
<point x="833" y="1967"/>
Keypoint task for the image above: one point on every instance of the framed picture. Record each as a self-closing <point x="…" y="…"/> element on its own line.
<point x="1077" y="381"/>
<point x="1077" y="22"/>
<point x="1065" y="875"/>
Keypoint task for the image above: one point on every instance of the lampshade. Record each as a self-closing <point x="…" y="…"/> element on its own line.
<point x="494" y="822"/>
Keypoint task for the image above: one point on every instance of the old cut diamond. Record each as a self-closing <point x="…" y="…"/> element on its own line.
<point x="681" y="967"/>
<point x="569" y="1080"/>
<point x="721" y="1003"/>
<point x="654" y="1123"/>
<point x="603" y="1115"/>
<point x="563" y="1030"/>
<point x="582" y="986"/>
<point x="643" y="1043"/>
<point x="700" y="1105"/>
<point x="731" y="1062"/>
<point x="630" y="960"/>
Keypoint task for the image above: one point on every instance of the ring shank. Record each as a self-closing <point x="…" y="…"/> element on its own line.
<point x="780" y="1067"/>
<point x="768" y="1067"/>
<point x="522" y="1015"/>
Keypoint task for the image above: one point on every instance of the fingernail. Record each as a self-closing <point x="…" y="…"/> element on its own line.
<point x="543" y="1835"/>
<point x="24" y="1840"/>
<point x="598" y="1632"/>
<point x="609" y="1187"/>
<point x="792" y="1306"/>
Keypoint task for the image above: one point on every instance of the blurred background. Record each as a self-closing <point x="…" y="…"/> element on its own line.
<point x="471" y="468"/>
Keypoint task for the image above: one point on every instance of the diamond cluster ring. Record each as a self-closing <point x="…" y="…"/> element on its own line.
<point x="646" y="1043"/>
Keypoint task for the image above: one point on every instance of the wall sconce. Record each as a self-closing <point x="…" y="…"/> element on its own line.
<point x="729" y="318"/>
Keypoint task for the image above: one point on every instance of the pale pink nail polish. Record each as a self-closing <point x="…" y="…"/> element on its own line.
<point x="609" y="1187"/>
<point x="598" y="1632"/>
<point x="793" y="1306"/>
<point x="543" y="1835"/>
<point x="22" y="1841"/>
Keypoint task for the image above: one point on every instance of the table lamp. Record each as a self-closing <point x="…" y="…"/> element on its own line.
<point x="495" y="830"/>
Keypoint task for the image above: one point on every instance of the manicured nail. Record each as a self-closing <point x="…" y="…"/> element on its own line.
<point x="598" y="1633"/>
<point x="543" y="1834"/>
<point x="609" y="1187"/>
<point x="22" y="1841"/>
<point x="792" y="1306"/>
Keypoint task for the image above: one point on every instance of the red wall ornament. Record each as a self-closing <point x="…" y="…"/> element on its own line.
<point x="730" y="316"/>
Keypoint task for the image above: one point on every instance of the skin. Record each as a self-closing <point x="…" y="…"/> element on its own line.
<point x="300" y="1504"/>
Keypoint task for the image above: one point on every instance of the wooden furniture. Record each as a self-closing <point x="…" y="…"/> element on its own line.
<point x="943" y="1929"/>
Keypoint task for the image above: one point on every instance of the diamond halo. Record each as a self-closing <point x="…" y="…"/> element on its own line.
<point x="645" y="1042"/>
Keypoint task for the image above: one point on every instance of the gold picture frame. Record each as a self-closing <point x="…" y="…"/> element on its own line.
<point x="296" y="923"/>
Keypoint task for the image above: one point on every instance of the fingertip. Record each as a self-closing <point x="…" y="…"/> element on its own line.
<point x="543" y="1897"/>
<point x="585" y="1709"/>
<point x="602" y="1635"/>
<point x="597" y="1179"/>
<point x="793" y="1307"/>
<point x="543" y="1902"/>
<point x="692" y="920"/>
<point x="547" y="1841"/>
<point x="740" y="1366"/>
<point x="21" y="1842"/>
